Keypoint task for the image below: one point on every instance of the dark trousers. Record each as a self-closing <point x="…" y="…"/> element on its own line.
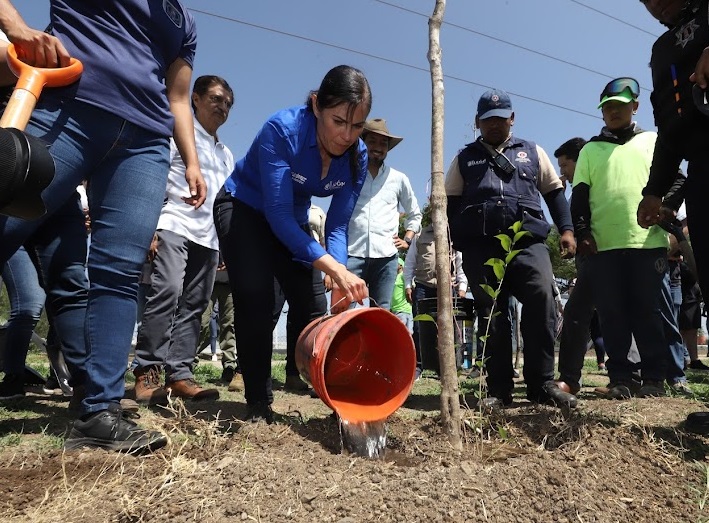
<point x="578" y="314"/>
<point x="696" y="194"/>
<point x="254" y="257"/>
<point x="420" y="292"/>
<point x="528" y="277"/>
<point x="631" y="292"/>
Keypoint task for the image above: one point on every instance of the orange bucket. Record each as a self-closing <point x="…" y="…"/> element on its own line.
<point x="360" y="362"/>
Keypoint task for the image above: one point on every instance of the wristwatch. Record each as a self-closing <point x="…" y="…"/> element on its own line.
<point x="408" y="240"/>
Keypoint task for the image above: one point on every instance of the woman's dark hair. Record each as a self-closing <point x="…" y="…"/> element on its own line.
<point x="570" y="149"/>
<point x="203" y="83"/>
<point x="343" y="84"/>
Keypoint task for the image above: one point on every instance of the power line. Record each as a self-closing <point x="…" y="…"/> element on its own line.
<point x="614" y="18"/>
<point x="384" y="59"/>
<point x="500" y="40"/>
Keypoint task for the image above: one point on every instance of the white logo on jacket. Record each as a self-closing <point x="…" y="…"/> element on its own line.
<point x="299" y="178"/>
<point x="331" y="186"/>
<point x="476" y="162"/>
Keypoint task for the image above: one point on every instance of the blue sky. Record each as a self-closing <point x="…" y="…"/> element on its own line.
<point x="273" y="52"/>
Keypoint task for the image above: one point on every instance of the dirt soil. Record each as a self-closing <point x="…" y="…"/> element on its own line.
<point x="604" y="462"/>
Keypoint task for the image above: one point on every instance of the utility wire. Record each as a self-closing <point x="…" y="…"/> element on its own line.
<point x="384" y="59"/>
<point x="614" y="18"/>
<point x="500" y="40"/>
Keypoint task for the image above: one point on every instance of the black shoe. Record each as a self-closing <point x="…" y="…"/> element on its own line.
<point x="697" y="365"/>
<point x="109" y="429"/>
<point x="697" y="422"/>
<point x="12" y="387"/>
<point x="551" y="394"/>
<point x="260" y="411"/>
<point x="227" y="375"/>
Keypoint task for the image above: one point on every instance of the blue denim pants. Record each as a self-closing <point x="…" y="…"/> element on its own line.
<point x="380" y="275"/>
<point x="126" y="167"/>
<point x="632" y="296"/>
<point x="26" y="298"/>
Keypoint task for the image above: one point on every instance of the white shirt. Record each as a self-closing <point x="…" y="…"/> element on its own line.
<point x="460" y="279"/>
<point x="375" y="219"/>
<point x="216" y="163"/>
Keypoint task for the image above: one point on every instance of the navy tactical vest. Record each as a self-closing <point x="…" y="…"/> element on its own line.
<point x="492" y="199"/>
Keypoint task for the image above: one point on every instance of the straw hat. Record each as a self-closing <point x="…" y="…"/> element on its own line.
<point x="379" y="126"/>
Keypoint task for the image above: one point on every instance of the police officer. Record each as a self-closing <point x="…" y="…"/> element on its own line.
<point x="491" y="184"/>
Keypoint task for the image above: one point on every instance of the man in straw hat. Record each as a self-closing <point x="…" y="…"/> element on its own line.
<point x="373" y="240"/>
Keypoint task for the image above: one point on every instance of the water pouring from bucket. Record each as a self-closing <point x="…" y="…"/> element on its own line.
<point x="361" y="363"/>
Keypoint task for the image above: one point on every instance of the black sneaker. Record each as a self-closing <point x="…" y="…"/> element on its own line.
<point x="109" y="429"/>
<point x="12" y="387"/>
<point x="227" y="375"/>
<point x="697" y="365"/>
<point x="260" y="411"/>
<point x="551" y="394"/>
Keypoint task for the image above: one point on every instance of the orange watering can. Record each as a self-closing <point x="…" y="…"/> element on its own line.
<point x="26" y="167"/>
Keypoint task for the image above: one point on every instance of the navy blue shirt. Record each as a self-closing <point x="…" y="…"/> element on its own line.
<point x="126" y="47"/>
<point x="281" y="172"/>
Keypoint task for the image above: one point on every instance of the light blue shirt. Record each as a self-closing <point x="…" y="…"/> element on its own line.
<point x="375" y="219"/>
<point x="281" y="172"/>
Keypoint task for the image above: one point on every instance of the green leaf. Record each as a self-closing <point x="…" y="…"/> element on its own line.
<point x="519" y="235"/>
<point x="479" y="363"/>
<point x="502" y="432"/>
<point x="511" y="255"/>
<point x="424" y="317"/>
<point x="484" y="337"/>
<point x="498" y="267"/>
<point x="489" y="290"/>
<point x="506" y="241"/>
<point x="496" y="313"/>
<point x="515" y="227"/>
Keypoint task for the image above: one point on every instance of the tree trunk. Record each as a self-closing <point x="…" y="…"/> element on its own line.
<point x="450" y="403"/>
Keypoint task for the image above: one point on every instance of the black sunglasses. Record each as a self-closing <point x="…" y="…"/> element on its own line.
<point x="617" y="86"/>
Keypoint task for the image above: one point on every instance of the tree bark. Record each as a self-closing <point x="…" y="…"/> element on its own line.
<point x="450" y="403"/>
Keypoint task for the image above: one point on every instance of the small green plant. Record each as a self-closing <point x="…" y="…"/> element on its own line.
<point x="499" y="268"/>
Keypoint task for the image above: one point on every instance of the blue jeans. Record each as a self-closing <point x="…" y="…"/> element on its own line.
<point x="127" y="168"/>
<point x="632" y="296"/>
<point x="26" y="298"/>
<point x="380" y="275"/>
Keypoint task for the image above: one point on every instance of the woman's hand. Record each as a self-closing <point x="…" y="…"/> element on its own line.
<point x="348" y="286"/>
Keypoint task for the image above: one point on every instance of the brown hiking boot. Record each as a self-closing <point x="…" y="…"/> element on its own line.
<point x="189" y="389"/>
<point x="147" y="386"/>
<point x="237" y="383"/>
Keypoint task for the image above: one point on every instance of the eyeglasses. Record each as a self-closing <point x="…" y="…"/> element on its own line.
<point x="219" y="99"/>
<point x="617" y="86"/>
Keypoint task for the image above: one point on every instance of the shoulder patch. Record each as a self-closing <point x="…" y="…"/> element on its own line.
<point x="173" y="13"/>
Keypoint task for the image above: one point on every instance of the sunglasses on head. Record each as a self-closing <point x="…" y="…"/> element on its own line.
<point x="617" y="86"/>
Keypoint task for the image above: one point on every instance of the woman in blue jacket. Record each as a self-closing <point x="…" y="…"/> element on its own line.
<point x="261" y="215"/>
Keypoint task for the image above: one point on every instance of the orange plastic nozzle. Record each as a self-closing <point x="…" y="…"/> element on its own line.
<point x="33" y="79"/>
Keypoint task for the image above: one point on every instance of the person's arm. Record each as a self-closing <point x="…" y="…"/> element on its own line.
<point x="177" y="82"/>
<point x="34" y="47"/>
<point x="701" y="71"/>
<point x="6" y="76"/>
<point x="663" y="172"/>
<point x="553" y="192"/>
<point x="408" y="202"/>
<point x="581" y="207"/>
<point x="461" y="279"/>
<point x="675" y="196"/>
<point x="410" y="263"/>
<point x="454" y="189"/>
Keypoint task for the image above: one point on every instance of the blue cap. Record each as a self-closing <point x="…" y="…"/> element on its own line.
<point x="494" y="103"/>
